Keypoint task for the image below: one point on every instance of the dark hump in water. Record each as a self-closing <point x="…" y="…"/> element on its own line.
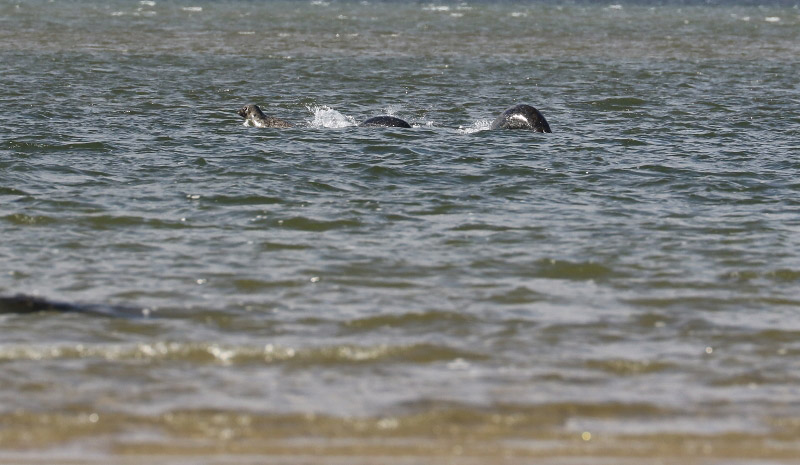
<point x="22" y="304"/>
<point x="385" y="122"/>
<point x="522" y="117"/>
<point x="254" y="114"/>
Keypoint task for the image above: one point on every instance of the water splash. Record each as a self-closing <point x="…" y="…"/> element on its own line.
<point x="327" y="117"/>
<point x="477" y="126"/>
<point x="392" y="110"/>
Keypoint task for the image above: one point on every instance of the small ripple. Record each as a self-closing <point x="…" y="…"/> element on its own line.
<point x="383" y="283"/>
<point x="517" y="296"/>
<point x="441" y="209"/>
<point x="779" y="276"/>
<point x="32" y="146"/>
<point x="272" y="246"/>
<point x="256" y="285"/>
<point x="469" y="159"/>
<point x="624" y="367"/>
<point x="385" y="172"/>
<point x="302" y="223"/>
<point x="22" y="219"/>
<point x="691" y="302"/>
<point x="211" y="353"/>
<point x="481" y="227"/>
<point x="631" y="142"/>
<point x="754" y="378"/>
<point x="12" y="191"/>
<point x="715" y="106"/>
<point x="619" y="103"/>
<point x="784" y="275"/>
<point x="239" y="199"/>
<point x="561" y="269"/>
<point x="428" y="319"/>
<point x="421" y="428"/>
<point x="103" y="222"/>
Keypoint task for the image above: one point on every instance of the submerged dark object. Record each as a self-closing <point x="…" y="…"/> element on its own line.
<point x="522" y="117"/>
<point x="23" y="304"/>
<point x="385" y="122"/>
<point x="254" y="114"/>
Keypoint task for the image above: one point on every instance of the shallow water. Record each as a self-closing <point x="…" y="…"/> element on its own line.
<point x="623" y="287"/>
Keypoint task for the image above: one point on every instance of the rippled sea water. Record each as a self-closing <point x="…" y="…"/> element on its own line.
<point x="623" y="290"/>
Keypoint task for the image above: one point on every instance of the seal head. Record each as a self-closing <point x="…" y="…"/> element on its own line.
<point x="385" y="122"/>
<point x="253" y="114"/>
<point x="522" y="117"/>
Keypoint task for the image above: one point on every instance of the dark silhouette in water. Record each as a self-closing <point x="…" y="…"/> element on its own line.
<point x="522" y="117"/>
<point x="253" y="114"/>
<point x="517" y="117"/>
<point x="385" y="122"/>
<point x="23" y="304"/>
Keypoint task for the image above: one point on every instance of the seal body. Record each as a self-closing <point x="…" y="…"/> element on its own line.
<point x="522" y="117"/>
<point x="253" y="114"/>
<point x="24" y="304"/>
<point x="385" y="122"/>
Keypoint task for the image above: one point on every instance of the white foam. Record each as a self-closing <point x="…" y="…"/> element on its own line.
<point x="327" y="117"/>
<point x="391" y="110"/>
<point x="251" y="123"/>
<point x="477" y="126"/>
<point x="147" y="3"/>
<point x="772" y="19"/>
<point x="192" y="8"/>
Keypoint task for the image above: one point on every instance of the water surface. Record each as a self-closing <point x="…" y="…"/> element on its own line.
<point x="624" y="288"/>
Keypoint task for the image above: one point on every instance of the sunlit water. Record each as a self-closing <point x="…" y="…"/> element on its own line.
<point x="626" y="286"/>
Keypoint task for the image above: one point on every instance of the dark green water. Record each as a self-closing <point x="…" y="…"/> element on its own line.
<point x="624" y="287"/>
